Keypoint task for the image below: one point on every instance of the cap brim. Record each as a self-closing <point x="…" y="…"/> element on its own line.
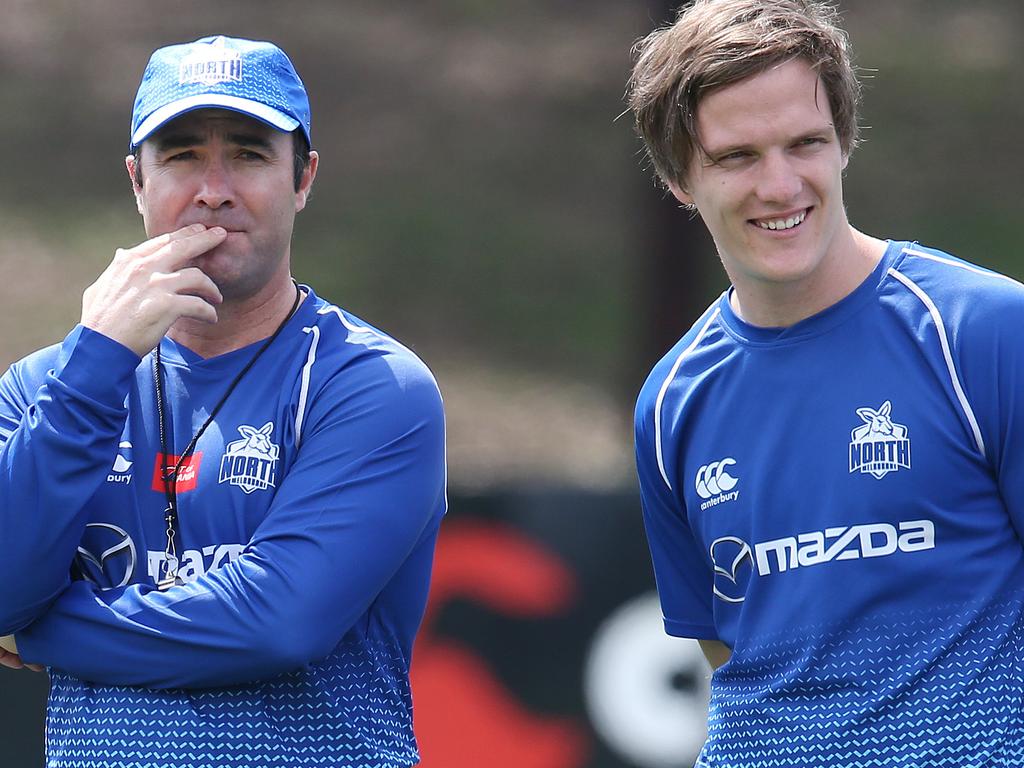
<point x="168" y="112"/>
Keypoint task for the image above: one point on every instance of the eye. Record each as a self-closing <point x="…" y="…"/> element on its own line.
<point x="735" y="157"/>
<point x="811" y="141"/>
<point x="251" y="155"/>
<point x="186" y="154"/>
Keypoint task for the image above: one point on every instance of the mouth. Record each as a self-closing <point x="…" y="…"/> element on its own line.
<point x="229" y="229"/>
<point x="784" y="222"/>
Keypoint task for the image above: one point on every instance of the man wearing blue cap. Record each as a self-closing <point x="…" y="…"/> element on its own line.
<point x="219" y="495"/>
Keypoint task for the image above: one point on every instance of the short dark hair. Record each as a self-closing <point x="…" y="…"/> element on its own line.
<point x="714" y="43"/>
<point x="300" y="158"/>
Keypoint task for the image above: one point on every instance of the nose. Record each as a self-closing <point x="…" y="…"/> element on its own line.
<point x="779" y="180"/>
<point x="215" y="188"/>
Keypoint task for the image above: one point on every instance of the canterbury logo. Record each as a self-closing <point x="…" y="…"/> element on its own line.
<point x="715" y="484"/>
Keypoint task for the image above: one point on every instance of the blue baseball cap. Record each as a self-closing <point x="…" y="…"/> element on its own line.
<point x="252" y="77"/>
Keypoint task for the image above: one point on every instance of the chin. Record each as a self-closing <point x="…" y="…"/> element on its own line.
<point x="232" y="288"/>
<point x="781" y="270"/>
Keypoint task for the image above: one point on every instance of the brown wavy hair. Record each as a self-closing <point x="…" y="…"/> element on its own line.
<point x="714" y="43"/>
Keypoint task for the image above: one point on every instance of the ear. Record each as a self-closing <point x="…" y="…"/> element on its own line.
<point x="306" y="183"/>
<point x="867" y="414"/>
<point x="885" y="409"/>
<point x="246" y="431"/>
<point x="680" y="194"/>
<point x="267" y="428"/>
<point x="129" y="163"/>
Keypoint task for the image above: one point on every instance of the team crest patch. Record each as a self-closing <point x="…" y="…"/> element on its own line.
<point x="879" y="446"/>
<point x="251" y="463"/>
<point x="211" y="64"/>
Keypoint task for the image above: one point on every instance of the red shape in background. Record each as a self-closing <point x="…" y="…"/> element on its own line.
<point x="465" y="717"/>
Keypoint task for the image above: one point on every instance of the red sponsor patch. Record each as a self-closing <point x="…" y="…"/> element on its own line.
<point x="188" y="474"/>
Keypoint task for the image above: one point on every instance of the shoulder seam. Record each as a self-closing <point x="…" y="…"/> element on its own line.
<point x="940" y="328"/>
<point x="353" y="328"/>
<point x="307" y="368"/>
<point x="664" y="389"/>
<point x="961" y="265"/>
<point x="332" y="309"/>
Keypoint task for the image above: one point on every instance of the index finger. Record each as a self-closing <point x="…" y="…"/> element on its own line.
<point x="154" y="244"/>
<point x="179" y="251"/>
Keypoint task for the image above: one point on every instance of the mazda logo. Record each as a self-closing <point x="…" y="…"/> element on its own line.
<point x="107" y="556"/>
<point x="732" y="560"/>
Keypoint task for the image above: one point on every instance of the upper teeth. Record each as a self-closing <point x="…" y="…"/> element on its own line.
<point x="783" y="223"/>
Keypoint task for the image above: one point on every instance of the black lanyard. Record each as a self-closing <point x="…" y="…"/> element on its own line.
<point x="170" y="477"/>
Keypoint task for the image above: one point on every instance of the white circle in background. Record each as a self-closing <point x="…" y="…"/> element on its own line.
<point x="630" y="692"/>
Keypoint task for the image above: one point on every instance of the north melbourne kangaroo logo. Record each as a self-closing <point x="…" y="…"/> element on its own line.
<point x="251" y="463"/>
<point x="715" y="484"/>
<point x="879" y="446"/>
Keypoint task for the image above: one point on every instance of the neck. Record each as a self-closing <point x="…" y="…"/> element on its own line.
<point x="239" y="322"/>
<point x="780" y="305"/>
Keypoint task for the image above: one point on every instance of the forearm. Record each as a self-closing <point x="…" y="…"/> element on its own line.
<point x="193" y="636"/>
<point x="271" y="611"/>
<point x="53" y="457"/>
<point x="311" y="574"/>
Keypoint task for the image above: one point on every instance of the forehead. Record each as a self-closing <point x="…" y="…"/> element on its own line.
<point x="201" y="125"/>
<point x="780" y="103"/>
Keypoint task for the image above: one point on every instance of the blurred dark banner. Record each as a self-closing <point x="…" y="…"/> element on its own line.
<point x="542" y="646"/>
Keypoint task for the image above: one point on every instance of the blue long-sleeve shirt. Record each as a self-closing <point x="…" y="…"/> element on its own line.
<point x="307" y="521"/>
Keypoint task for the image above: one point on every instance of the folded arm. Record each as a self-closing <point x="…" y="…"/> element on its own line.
<point x="364" y="494"/>
<point x="61" y="415"/>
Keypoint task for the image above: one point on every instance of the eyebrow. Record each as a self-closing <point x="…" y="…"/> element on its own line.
<point x="180" y="140"/>
<point x="250" y="140"/>
<point x="725" y="149"/>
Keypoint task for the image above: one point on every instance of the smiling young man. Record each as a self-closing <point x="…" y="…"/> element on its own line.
<point x="831" y="460"/>
<point x="220" y="493"/>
